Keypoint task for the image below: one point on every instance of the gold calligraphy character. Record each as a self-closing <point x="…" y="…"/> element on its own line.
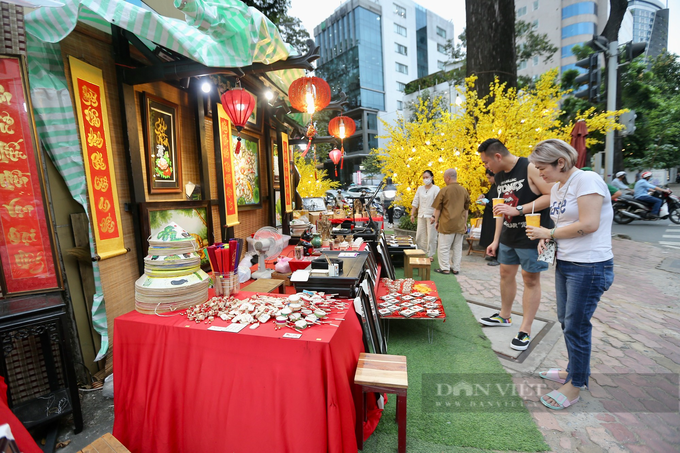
<point x="97" y="159"/>
<point x="107" y="225"/>
<point x="104" y="204"/>
<point x="95" y="139"/>
<point x="101" y="183"/>
<point x="15" y="210"/>
<point x="11" y="152"/>
<point x="31" y="262"/>
<point x="5" y="96"/>
<point x="11" y="179"/>
<point x="6" y="122"/>
<point x="21" y="237"/>
<point x="89" y="97"/>
<point x="159" y="129"/>
<point x="92" y="117"/>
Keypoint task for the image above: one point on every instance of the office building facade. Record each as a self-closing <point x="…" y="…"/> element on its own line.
<point x="650" y="24"/>
<point x="371" y="50"/>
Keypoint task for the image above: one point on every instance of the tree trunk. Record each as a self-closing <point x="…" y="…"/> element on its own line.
<point x="490" y="32"/>
<point x="611" y="31"/>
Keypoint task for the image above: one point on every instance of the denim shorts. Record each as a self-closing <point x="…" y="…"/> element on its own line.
<point x="527" y="258"/>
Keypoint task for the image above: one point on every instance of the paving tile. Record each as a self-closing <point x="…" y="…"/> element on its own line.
<point x="620" y="433"/>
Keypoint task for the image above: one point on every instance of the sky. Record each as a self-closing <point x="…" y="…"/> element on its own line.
<point x="312" y="12"/>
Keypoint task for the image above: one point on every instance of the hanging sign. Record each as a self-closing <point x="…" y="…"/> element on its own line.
<point x="228" y="178"/>
<point x="95" y="139"/>
<point x="26" y="247"/>
<point x="285" y="154"/>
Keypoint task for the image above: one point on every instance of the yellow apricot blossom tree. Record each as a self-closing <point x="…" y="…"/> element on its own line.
<point x="314" y="182"/>
<point x="520" y="119"/>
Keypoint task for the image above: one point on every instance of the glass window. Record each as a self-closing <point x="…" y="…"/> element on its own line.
<point x="399" y="10"/>
<point x="441" y="32"/>
<point x="401" y="87"/>
<point x="581" y="28"/>
<point x="402" y="68"/>
<point x="400" y="105"/>
<point x="535" y="61"/>
<point x="400" y="49"/>
<point x="534" y="25"/>
<point x="535" y="5"/>
<point x="398" y="29"/>
<point x="566" y="51"/>
<point x="372" y="141"/>
<point x="522" y="65"/>
<point x="372" y="99"/>
<point x="579" y="8"/>
<point x="521" y="11"/>
<point x="372" y="121"/>
<point x="441" y="48"/>
<point x="441" y="65"/>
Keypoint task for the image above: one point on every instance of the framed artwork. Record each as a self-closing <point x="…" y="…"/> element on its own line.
<point x="279" y="216"/>
<point x="369" y="293"/>
<point x="370" y="339"/>
<point x="276" y="179"/>
<point x="194" y="216"/>
<point x="255" y="119"/>
<point x="247" y="172"/>
<point x="27" y="238"/>
<point x="160" y="121"/>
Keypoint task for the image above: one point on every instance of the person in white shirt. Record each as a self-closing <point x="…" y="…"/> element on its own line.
<point x="426" y="233"/>
<point x="619" y="182"/>
<point x="581" y="208"/>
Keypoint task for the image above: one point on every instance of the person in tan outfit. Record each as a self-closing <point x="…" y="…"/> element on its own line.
<point x="450" y="217"/>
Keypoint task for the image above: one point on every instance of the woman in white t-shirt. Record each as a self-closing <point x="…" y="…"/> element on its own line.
<point x="581" y="208"/>
<point x="426" y="233"/>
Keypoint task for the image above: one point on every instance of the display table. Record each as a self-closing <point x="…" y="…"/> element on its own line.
<point x="182" y="388"/>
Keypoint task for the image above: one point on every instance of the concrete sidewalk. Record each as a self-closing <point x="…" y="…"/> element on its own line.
<point x="636" y="329"/>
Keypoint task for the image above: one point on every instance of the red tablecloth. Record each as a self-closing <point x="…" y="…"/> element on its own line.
<point x="182" y="388"/>
<point x="23" y="439"/>
<point x="382" y="291"/>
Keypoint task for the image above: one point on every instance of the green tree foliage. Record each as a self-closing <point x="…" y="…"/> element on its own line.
<point x="291" y="28"/>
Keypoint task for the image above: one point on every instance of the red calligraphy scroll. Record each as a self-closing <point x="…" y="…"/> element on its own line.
<point x="26" y="242"/>
<point x="95" y="140"/>
<point x="228" y="177"/>
<point x="285" y="153"/>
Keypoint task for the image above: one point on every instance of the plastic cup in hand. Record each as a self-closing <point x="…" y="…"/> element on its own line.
<point x="533" y="220"/>
<point x="496" y="202"/>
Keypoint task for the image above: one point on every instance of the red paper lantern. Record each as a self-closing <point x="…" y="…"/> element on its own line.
<point x="335" y="156"/>
<point x="342" y="127"/>
<point x="239" y="105"/>
<point x="309" y="94"/>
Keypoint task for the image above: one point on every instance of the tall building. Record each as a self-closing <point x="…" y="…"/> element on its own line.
<point x="371" y="50"/>
<point x="650" y="24"/>
<point x="565" y="23"/>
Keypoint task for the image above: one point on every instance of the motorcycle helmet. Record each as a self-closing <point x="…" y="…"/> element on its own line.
<point x="646" y="175"/>
<point x="621" y="173"/>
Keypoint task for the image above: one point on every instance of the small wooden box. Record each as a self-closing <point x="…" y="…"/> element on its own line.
<point x="105" y="444"/>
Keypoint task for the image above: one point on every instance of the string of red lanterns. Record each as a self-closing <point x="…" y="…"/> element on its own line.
<point x="342" y="127"/>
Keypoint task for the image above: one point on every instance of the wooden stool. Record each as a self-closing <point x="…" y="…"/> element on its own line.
<point x="411" y="253"/>
<point x="105" y="444"/>
<point x="382" y="373"/>
<point x="423" y="265"/>
<point x="266" y="285"/>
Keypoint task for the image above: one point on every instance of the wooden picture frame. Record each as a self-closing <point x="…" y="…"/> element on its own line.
<point x="161" y="129"/>
<point x="29" y="258"/>
<point x="255" y="119"/>
<point x="247" y="169"/>
<point x="193" y="216"/>
<point x="369" y="293"/>
<point x="370" y="338"/>
<point x="276" y="175"/>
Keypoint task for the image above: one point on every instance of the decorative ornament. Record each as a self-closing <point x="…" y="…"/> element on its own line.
<point x="311" y="132"/>
<point x="309" y="95"/>
<point x="239" y="105"/>
<point x="342" y="127"/>
<point x="335" y="156"/>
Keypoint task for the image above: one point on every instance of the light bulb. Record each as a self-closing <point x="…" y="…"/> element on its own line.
<point x="309" y="99"/>
<point x="342" y="129"/>
<point x="205" y="87"/>
<point x="269" y="95"/>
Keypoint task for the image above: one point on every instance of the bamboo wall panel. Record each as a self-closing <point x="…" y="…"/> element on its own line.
<point x="118" y="274"/>
<point x="212" y="164"/>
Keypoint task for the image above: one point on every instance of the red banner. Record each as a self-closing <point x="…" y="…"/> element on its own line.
<point x="95" y="141"/>
<point x="285" y="155"/>
<point x="228" y="178"/>
<point x="25" y="246"/>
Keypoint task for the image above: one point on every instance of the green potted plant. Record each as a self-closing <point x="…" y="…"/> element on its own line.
<point x="406" y="227"/>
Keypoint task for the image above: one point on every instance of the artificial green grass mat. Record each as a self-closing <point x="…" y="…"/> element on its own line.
<point x="459" y="348"/>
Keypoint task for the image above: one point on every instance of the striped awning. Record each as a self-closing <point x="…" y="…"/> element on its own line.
<point x="217" y="33"/>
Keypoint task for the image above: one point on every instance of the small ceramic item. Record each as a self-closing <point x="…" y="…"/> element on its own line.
<point x="286" y="311"/>
<point x="281" y="321"/>
<point x="301" y="324"/>
<point x="295" y="317"/>
<point x="320" y="314"/>
<point x="306" y="311"/>
<point x="254" y="326"/>
<point x="295" y="307"/>
<point x="311" y="319"/>
<point x="316" y="240"/>
<point x="294" y="298"/>
<point x="264" y="318"/>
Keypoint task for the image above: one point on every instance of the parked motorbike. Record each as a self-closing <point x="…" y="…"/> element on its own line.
<point x="627" y="208"/>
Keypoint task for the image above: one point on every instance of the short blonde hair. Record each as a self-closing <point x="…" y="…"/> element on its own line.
<point x="549" y="152"/>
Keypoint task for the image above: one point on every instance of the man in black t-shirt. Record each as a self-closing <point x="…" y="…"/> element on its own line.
<point x="524" y="191"/>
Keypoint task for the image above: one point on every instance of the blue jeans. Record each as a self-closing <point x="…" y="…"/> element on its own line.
<point x="578" y="287"/>
<point x="655" y="202"/>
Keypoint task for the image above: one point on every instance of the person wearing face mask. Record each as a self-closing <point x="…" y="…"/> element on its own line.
<point x="426" y="233"/>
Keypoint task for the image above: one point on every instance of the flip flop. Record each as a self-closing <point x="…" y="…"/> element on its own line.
<point x="455" y="272"/>
<point x="560" y="398"/>
<point x="552" y="375"/>
<point x="439" y="271"/>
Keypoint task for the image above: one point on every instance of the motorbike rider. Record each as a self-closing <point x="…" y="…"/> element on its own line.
<point x="620" y="182"/>
<point x="642" y="189"/>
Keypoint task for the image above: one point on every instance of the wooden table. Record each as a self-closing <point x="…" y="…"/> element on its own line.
<point x="266" y="285"/>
